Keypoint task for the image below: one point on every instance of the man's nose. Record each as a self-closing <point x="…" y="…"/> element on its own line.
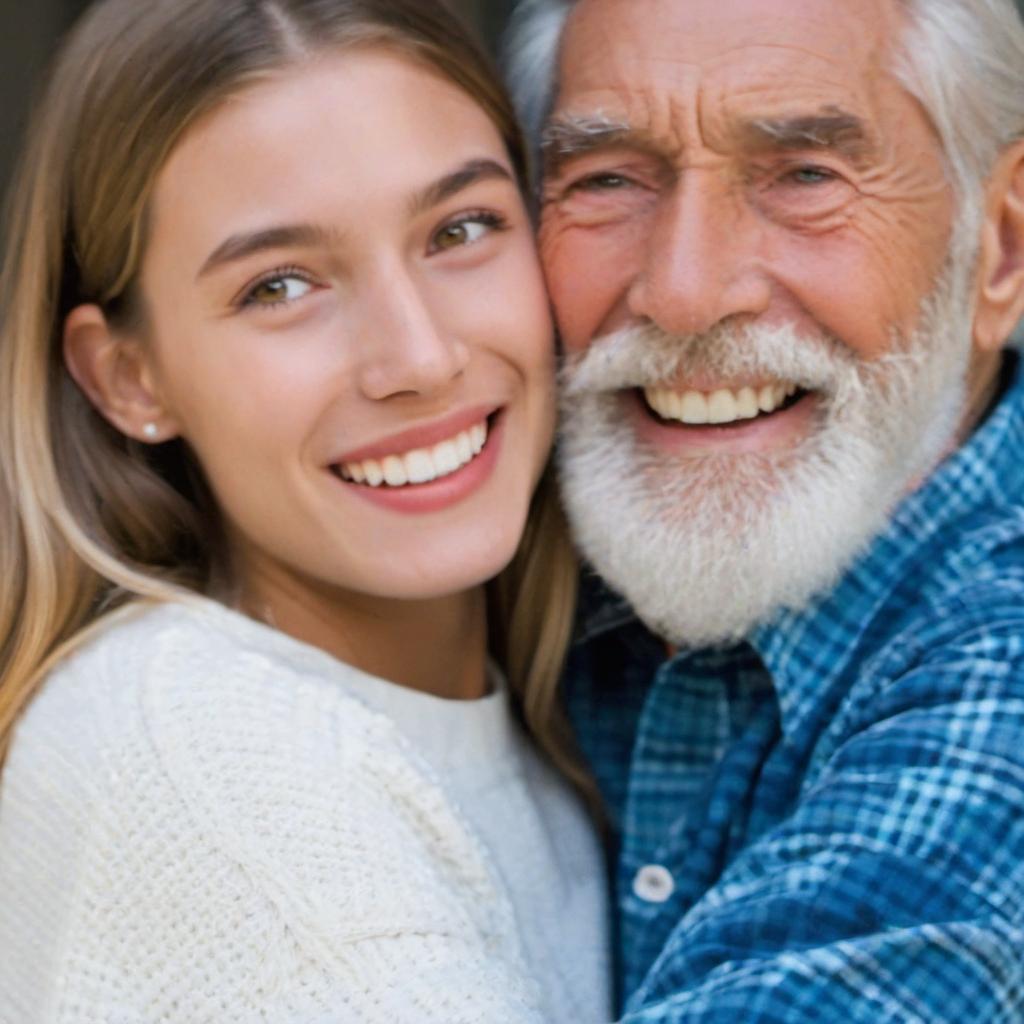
<point x="405" y="345"/>
<point x="700" y="262"/>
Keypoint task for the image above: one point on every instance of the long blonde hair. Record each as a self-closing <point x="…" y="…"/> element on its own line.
<point x="90" y="519"/>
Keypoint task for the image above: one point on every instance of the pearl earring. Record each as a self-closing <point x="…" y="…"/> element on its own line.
<point x="151" y="431"/>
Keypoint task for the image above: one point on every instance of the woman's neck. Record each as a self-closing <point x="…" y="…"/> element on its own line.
<point x="436" y="646"/>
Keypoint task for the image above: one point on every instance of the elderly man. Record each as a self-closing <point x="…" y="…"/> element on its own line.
<point x="785" y="244"/>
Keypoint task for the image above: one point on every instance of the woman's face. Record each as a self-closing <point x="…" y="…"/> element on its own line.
<point x="348" y="327"/>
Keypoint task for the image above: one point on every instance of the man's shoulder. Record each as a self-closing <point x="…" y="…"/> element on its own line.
<point x="968" y="583"/>
<point x="953" y="663"/>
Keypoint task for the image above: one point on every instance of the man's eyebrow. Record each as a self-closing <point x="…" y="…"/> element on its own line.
<point x="835" y="130"/>
<point x="452" y="184"/>
<point x="283" y="236"/>
<point x="569" y="135"/>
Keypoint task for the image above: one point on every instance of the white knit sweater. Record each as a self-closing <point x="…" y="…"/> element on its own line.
<point x="199" y="822"/>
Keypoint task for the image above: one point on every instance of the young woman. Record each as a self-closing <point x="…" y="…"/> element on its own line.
<point x="277" y="390"/>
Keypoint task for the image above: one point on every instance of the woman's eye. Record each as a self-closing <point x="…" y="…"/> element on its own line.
<point x="466" y="231"/>
<point x="277" y="290"/>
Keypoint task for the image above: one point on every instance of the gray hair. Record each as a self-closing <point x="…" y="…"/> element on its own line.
<point x="531" y="59"/>
<point x="962" y="59"/>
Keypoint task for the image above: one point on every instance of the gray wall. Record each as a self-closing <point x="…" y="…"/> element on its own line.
<point x="489" y="14"/>
<point x="29" y="32"/>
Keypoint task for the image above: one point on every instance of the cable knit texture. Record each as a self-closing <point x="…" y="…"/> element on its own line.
<point x="199" y="824"/>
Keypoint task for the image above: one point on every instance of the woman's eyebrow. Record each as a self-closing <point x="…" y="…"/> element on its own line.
<point x="283" y="236"/>
<point x="451" y="184"/>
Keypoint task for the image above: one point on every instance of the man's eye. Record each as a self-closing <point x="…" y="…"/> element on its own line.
<point x="605" y="182"/>
<point x="809" y="175"/>
<point x="276" y="290"/>
<point x="466" y="231"/>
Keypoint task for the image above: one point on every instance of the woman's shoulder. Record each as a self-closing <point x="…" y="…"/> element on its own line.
<point x="192" y="720"/>
<point x="193" y="669"/>
<point x="255" y="734"/>
<point x="229" y="715"/>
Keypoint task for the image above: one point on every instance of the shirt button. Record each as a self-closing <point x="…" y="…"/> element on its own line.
<point x="654" y="884"/>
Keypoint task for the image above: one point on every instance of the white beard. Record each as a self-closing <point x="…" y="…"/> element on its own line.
<point x="706" y="548"/>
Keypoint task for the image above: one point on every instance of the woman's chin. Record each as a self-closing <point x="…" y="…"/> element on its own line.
<point x="447" y="569"/>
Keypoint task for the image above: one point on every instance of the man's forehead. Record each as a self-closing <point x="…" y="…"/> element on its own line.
<point x="616" y="44"/>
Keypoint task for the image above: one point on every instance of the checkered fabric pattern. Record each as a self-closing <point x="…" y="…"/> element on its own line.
<point x="833" y="812"/>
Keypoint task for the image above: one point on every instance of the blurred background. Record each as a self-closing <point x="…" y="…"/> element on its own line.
<point x="31" y="30"/>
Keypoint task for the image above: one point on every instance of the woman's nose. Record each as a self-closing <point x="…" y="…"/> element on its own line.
<point x="407" y="348"/>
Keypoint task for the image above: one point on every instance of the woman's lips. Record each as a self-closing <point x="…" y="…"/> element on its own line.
<point x="426" y="479"/>
<point x="420" y="465"/>
<point x="423" y="436"/>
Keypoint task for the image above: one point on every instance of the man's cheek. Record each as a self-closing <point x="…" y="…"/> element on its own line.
<point x="588" y="275"/>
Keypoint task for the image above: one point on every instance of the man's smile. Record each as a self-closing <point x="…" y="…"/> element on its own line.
<point x="770" y="419"/>
<point x="719" y="406"/>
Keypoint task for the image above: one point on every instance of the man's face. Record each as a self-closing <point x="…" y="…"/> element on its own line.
<point x="748" y="185"/>
<point x="717" y="202"/>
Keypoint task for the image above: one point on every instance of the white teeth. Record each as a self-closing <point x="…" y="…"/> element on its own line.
<point x="421" y="465"/>
<point x="478" y="437"/>
<point x="394" y="471"/>
<point x="746" y="404"/>
<point x="721" y="406"/>
<point x="766" y="400"/>
<point x="446" y="457"/>
<point x="693" y="407"/>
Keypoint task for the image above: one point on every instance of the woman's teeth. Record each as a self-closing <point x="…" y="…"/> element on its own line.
<point x="421" y="465"/>
<point x="722" y="406"/>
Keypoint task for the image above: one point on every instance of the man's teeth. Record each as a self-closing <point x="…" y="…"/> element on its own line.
<point x="421" y="465"/>
<point x="722" y="406"/>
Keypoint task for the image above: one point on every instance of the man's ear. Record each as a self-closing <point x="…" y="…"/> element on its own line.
<point x="115" y="372"/>
<point x="1000" y="280"/>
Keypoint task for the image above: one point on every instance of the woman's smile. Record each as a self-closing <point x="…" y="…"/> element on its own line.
<point x="412" y="472"/>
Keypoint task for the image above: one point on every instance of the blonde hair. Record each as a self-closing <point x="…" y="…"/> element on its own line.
<point x="90" y="519"/>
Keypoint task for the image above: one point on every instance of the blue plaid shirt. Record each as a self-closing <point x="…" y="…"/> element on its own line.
<point x="827" y="823"/>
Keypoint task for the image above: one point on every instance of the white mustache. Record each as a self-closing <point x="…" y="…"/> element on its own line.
<point x="645" y="356"/>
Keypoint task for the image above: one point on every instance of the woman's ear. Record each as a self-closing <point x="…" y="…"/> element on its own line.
<point x="1000" y="279"/>
<point x="115" y="372"/>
